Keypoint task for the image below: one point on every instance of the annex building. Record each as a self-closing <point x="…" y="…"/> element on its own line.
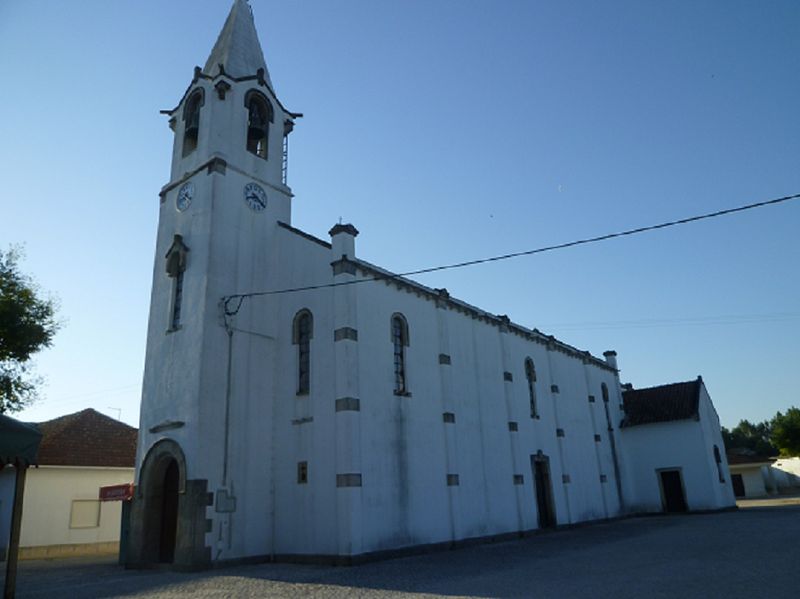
<point x="348" y="421"/>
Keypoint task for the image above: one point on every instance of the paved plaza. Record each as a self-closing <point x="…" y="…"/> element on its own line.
<point x="751" y="552"/>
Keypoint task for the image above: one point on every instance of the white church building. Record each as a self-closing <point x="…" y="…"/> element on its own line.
<point x="361" y="414"/>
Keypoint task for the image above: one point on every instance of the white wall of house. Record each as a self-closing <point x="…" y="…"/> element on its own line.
<point x="60" y="504"/>
<point x="753" y="479"/>
<point x="686" y="445"/>
<point x="786" y="473"/>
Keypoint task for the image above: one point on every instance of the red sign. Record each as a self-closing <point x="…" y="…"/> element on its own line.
<point x="122" y="492"/>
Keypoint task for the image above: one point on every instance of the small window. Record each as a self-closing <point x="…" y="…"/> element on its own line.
<point x="718" y="460"/>
<point x="177" y="300"/>
<point x="604" y="391"/>
<point x="176" y="265"/>
<point x="530" y="375"/>
<point x="399" y="343"/>
<point x="301" y="336"/>
<point x="191" y="120"/>
<point x="85" y="513"/>
<point x="259" y="116"/>
<point x="302" y="473"/>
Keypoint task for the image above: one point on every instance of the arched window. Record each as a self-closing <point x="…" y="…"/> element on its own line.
<point x="191" y="120"/>
<point x="604" y="391"/>
<point x="530" y="375"/>
<point x="176" y="265"/>
<point x="718" y="460"/>
<point x="302" y="332"/>
<point x="399" y="343"/>
<point x="259" y="117"/>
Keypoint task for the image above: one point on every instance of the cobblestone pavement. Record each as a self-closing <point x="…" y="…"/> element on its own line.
<point x="746" y="553"/>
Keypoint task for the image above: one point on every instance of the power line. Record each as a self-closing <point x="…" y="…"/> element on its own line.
<point x="239" y="297"/>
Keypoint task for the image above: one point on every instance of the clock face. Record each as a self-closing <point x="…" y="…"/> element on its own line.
<point x="185" y="195"/>
<point x="255" y="197"/>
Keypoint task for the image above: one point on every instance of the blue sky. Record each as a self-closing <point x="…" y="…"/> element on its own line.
<point x="444" y="130"/>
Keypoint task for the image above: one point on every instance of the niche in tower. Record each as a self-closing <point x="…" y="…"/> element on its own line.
<point x="259" y="116"/>
<point x="191" y="121"/>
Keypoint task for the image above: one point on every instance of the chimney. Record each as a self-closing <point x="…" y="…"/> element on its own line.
<point x="343" y="241"/>
<point x="611" y="358"/>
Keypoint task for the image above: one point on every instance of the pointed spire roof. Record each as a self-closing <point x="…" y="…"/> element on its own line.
<point x="237" y="48"/>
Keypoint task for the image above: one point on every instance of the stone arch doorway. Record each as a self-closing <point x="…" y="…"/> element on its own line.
<point x="156" y="513"/>
<point x="169" y="513"/>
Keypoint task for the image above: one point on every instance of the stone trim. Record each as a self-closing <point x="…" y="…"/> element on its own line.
<point x="443" y="299"/>
<point x="222" y="88"/>
<point x="167" y="425"/>
<point x="348" y="404"/>
<point x="348" y="228"/>
<point x="343" y="266"/>
<point x="304" y="235"/>
<point x="345" y="333"/>
<point x="513" y="427"/>
<point x="508" y="377"/>
<point x="352" y="479"/>
<point x="452" y="480"/>
<point x="216" y="165"/>
<point x="444" y="359"/>
<point x="449" y="417"/>
<point x="199" y="74"/>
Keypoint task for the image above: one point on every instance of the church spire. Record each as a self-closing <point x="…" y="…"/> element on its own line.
<point x="237" y="48"/>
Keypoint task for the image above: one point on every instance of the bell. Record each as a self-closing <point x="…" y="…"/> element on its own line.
<point x="193" y="123"/>
<point x="255" y="132"/>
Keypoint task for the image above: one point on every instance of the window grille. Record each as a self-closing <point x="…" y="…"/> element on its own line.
<point x="530" y="375"/>
<point x="399" y="342"/>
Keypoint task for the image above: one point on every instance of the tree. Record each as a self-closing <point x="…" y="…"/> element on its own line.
<point x="786" y="432"/>
<point x="753" y="437"/>
<point x="27" y="325"/>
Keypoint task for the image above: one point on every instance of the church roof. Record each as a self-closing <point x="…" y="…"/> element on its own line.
<point x="87" y="438"/>
<point x="238" y="49"/>
<point x="442" y="295"/>
<point x="665" y="403"/>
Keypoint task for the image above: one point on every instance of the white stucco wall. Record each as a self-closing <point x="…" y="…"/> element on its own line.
<point x="49" y="493"/>
<point x="753" y="479"/>
<point x="687" y="445"/>
<point x="786" y="473"/>
<point x="400" y="445"/>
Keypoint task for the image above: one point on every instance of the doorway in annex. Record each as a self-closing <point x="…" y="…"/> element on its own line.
<point x="543" y="489"/>
<point x="673" y="496"/>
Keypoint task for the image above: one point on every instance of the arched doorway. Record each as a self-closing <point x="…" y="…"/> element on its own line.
<point x="169" y="513"/>
<point x="156" y="513"/>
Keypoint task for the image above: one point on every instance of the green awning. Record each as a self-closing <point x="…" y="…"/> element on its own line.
<point x="19" y="442"/>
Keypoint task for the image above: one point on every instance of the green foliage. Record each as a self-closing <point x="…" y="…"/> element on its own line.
<point x="27" y="325"/>
<point x="786" y="432"/>
<point x="753" y="437"/>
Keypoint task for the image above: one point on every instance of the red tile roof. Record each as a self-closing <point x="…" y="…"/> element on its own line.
<point x="665" y="403"/>
<point x="87" y="438"/>
<point x="738" y="459"/>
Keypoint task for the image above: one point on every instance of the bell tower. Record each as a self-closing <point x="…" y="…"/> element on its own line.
<point x="218" y="217"/>
<point x="230" y="115"/>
